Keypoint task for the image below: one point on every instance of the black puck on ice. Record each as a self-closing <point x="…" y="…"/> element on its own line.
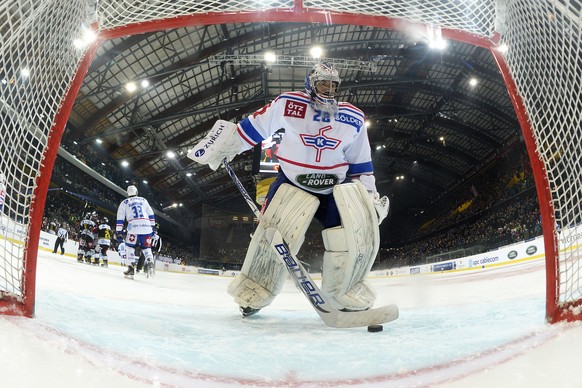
<point x="375" y="328"/>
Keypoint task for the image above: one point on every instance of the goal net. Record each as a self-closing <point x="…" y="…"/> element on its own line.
<point x="41" y="71"/>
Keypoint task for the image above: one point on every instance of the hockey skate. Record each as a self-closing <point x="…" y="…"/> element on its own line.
<point x="248" y="311"/>
<point x="129" y="273"/>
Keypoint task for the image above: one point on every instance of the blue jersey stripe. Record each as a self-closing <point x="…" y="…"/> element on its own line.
<point x="250" y="131"/>
<point x="360" y="168"/>
<point x="352" y="112"/>
<point x="295" y="98"/>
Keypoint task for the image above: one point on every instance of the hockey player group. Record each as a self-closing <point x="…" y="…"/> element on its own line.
<point x="136" y="232"/>
<point x="95" y="238"/>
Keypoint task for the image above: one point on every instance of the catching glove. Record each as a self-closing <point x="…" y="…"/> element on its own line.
<point x="382" y="206"/>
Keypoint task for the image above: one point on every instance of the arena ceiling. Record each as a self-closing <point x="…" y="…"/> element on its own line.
<point x="428" y="124"/>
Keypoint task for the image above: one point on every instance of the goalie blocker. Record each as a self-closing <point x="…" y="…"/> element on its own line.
<point x="221" y="142"/>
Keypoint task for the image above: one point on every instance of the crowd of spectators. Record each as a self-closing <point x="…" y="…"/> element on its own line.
<point x="497" y="208"/>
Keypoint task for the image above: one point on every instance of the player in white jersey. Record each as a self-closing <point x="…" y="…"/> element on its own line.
<point x="140" y="227"/>
<point x="122" y="252"/>
<point x="325" y="172"/>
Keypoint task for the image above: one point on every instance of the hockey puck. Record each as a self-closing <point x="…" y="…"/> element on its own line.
<point x="375" y="328"/>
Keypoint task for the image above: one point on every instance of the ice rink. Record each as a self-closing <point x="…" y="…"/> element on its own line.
<point x="93" y="328"/>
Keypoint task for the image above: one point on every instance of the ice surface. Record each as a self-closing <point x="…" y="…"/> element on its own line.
<point x="94" y="328"/>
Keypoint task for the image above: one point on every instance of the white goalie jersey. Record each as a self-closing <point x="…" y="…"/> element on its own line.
<point x="319" y="149"/>
<point x="139" y="215"/>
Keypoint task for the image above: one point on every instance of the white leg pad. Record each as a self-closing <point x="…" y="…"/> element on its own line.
<point x="263" y="273"/>
<point x="351" y="249"/>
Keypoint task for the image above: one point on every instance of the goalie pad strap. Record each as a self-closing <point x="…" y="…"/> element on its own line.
<point x="263" y="273"/>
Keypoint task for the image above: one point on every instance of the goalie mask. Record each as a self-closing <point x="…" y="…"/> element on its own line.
<point x="322" y="84"/>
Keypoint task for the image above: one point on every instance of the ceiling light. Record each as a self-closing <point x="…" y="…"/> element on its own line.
<point x="89" y="35"/>
<point x="316" y="52"/>
<point x="473" y="81"/>
<point x="171" y="154"/>
<point x="188" y="174"/>
<point x="145" y="83"/>
<point x="131" y="87"/>
<point x="270" y="57"/>
<point x="125" y="163"/>
<point x="145" y="181"/>
<point x="438" y="44"/>
<point x="98" y="141"/>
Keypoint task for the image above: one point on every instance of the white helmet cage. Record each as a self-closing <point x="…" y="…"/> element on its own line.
<point x="131" y="191"/>
<point x="322" y="72"/>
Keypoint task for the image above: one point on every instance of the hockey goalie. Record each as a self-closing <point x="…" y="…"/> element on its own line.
<point x="325" y="173"/>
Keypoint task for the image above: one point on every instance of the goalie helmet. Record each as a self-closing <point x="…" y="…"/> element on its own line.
<point x="131" y="191"/>
<point x="323" y="93"/>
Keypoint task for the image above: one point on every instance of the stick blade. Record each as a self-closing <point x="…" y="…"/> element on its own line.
<point x="375" y="316"/>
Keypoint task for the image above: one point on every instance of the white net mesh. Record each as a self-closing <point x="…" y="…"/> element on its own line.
<point x="38" y="62"/>
<point x="545" y="58"/>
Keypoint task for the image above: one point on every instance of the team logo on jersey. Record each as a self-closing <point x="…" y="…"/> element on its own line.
<point x="295" y="109"/>
<point x="317" y="181"/>
<point x="320" y="142"/>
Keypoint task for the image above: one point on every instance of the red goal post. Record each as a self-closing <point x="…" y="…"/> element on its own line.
<point x="41" y="72"/>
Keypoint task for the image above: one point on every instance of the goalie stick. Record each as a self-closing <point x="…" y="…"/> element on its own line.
<point x="330" y="315"/>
